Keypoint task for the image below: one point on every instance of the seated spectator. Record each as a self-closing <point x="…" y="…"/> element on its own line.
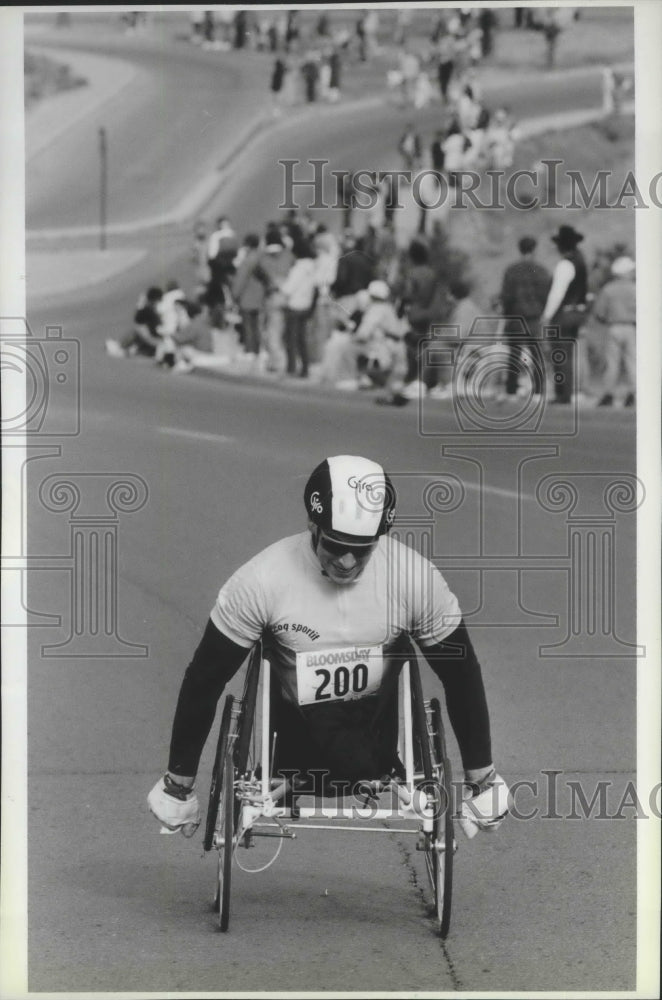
<point x="338" y="367"/>
<point x="145" y="336"/>
<point x="379" y="338"/>
<point x="173" y="309"/>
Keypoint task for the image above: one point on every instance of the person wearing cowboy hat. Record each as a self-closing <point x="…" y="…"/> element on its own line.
<point x="565" y="309"/>
<point x="615" y="307"/>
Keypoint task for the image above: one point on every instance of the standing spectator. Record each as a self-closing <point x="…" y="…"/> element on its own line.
<point x="276" y="262"/>
<point x="446" y="57"/>
<point x="292" y="31"/>
<point x="276" y="85"/>
<point x="616" y="308"/>
<point x="322" y="27"/>
<point x="454" y="147"/>
<point x="249" y="288"/>
<point x="551" y="30"/>
<point x="240" y="29"/>
<point x="272" y="36"/>
<point x="500" y="139"/>
<point x="420" y="303"/>
<point x="209" y="29"/>
<point x="327" y="253"/>
<point x="524" y="291"/>
<point x="335" y="70"/>
<point x="221" y="251"/>
<point x="463" y="314"/>
<point x="371" y="27"/>
<point x="310" y="74"/>
<point x="199" y="258"/>
<point x="487" y="22"/>
<point x="360" y="38"/>
<point x="437" y="156"/>
<point x="565" y="308"/>
<point x="197" y="18"/>
<point x="355" y="269"/>
<point x="410" y="67"/>
<point x="409" y="147"/>
<point x="402" y="26"/>
<point x="299" y="291"/>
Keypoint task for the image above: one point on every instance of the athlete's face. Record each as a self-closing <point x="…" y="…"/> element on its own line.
<point x="342" y="564"/>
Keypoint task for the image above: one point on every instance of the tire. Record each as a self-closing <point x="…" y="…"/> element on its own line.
<point x="232" y="753"/>
<point x="430" y="744"/>
<point x="442" y="861"/>
<point x="218" y="773"/>
<point x="225" y="837"/>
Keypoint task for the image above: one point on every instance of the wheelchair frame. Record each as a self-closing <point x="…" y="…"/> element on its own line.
<point x="245" y="801"/>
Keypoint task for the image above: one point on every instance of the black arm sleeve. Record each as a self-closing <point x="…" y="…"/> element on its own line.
<point x="455" y="663"/>
<point x="214" y="663"/>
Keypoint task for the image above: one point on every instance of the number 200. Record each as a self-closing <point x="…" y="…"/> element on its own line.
<point x="342" y="681"/>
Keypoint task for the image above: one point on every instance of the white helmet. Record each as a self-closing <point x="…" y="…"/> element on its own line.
<point x="351" y="499"/>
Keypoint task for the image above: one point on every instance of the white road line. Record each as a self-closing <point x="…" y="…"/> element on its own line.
<point x="197" y="435"/>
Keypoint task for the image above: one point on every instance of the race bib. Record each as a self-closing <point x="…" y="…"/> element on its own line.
<point x="341" y="674"/>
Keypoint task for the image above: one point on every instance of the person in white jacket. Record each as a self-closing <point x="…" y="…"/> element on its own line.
<point x="300" y="293"/>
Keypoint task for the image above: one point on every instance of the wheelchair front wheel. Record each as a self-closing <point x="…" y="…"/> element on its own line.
<point x="219" y="827"/>
<point x="224" y="842"/>
<point x="439" y="853"/>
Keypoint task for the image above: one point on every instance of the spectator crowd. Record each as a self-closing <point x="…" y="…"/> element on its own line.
<point x="361" y="312"/>
<point x="353" y="307"/>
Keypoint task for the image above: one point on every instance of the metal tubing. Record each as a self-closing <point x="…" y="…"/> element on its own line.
<point x="409" y="744"/>
<point x="266" y="693"/>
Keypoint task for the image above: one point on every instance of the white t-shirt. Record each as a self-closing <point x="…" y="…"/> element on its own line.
<point x="329" y="641"/>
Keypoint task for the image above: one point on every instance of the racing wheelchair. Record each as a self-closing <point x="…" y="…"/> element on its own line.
<point x="251" y="796"/>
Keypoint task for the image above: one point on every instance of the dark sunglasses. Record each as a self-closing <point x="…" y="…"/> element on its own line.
<point x="340" y="548"/>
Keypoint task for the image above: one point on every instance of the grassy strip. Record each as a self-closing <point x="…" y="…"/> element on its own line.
<point x="44" y="77"/>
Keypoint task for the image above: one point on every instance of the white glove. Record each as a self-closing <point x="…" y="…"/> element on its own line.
<point x="485" y="804"/>
<point x="175" y="806"/>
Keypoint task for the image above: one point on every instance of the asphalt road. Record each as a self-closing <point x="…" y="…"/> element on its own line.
<point x="547" y="904"/>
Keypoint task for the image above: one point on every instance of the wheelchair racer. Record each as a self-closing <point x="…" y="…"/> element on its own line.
<point x="331" y="606"/>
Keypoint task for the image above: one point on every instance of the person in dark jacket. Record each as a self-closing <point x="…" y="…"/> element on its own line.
<point x="421" y="303"/>
<point x="565" y="308"/>
<point x="524" y="291"/>
<point x="276" y="84"/>
<point x="355" y="268"/>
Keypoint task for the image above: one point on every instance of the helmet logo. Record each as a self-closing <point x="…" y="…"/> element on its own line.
<point x="315" y="503"/>
<point x="359" y="484"/>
